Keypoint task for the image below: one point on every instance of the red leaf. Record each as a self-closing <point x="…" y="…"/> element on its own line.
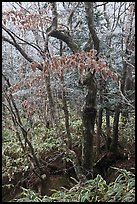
<point x="33" y="66"/>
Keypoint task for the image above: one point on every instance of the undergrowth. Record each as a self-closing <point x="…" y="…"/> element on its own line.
<point x="95" y="190"/>
<point x="44" y="142"/>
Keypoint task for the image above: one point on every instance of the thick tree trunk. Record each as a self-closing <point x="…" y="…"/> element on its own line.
<point x="89" y="109"/>
<point x="88" y="119"/>
<point x="101" y="89"/>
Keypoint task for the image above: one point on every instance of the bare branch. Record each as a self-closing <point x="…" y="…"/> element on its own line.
<point x="71" y="14"/>
<point x="17" y="120"/>
<point x="103" y="4"/>
<point x="106" y="17"/>
<point x="7" y="31"/>
<point x="22" y="52"/>
<point x="66" y="38"/>
<point x="127" y="62"/>
<point x="123" y="97"/>
<point x="18" y="47"/>
<point x="115" y="23"/>
<point x="20" y="5"/>
<point x="30" y="44"/>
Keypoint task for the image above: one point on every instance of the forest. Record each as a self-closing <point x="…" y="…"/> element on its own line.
<point x="68" y="101"/>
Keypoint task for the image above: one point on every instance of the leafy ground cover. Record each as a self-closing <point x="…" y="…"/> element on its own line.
<point x="52" y="153"/>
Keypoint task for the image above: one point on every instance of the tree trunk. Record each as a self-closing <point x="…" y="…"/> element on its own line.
<point x="99" y="124"/>
<point x="66" y="114"/>
<point x="89" y="109"/>
<point x="18" y="124"/>
<point x="65" y="106"/>
<point x="108" y="130"/>
<point x="51" y="102"/>
<point x="128" y="45"/>
<point x="88" y="119"/>
<point x="90" y="19"/>
<point x="114" y="143"/>
<point x="101" y="88"/>
<point x="108" y="122"/>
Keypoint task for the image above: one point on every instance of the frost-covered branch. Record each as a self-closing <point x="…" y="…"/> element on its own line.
<point x="123" y="97"/>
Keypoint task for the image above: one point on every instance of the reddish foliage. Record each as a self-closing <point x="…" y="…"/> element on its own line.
<point x="34" y="66"/>
<point x="83" y="61"/>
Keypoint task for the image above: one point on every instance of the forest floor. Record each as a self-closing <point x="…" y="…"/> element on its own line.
<point x="56" y="178"/>
<point x="128" y="164"/>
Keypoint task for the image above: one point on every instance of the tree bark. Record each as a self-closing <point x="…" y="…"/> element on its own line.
<point x="89" y="109"/>
<point x="108" y="122"/>
<point x="99" y="124"/>
<point x="88" y="119"/>
<point x="108" y="130"/>
<point x="101" y="88"/>
<point x="114" y="143"/>
<point x="51" y="101"/>
<point x="66" y="114"/>
<point x="90" y="21"/>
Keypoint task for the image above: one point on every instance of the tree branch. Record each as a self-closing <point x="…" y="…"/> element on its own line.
<point x="18" y="47"/>
<point x="53" y="25"/>
<point x="22" y="52"/>
<point x="123" y="97"/>
<point x="69" y="21"/>
<point x="65" y="38"/>
<point x="12" y="33"/>
<point x="103" y="4"/>
<point x="90" y="21"/>
<point x="53" y="32"/>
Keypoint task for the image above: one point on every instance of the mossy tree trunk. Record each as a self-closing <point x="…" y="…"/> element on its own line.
<point x="89" y="110"/>
<point x="88" y="118"/>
